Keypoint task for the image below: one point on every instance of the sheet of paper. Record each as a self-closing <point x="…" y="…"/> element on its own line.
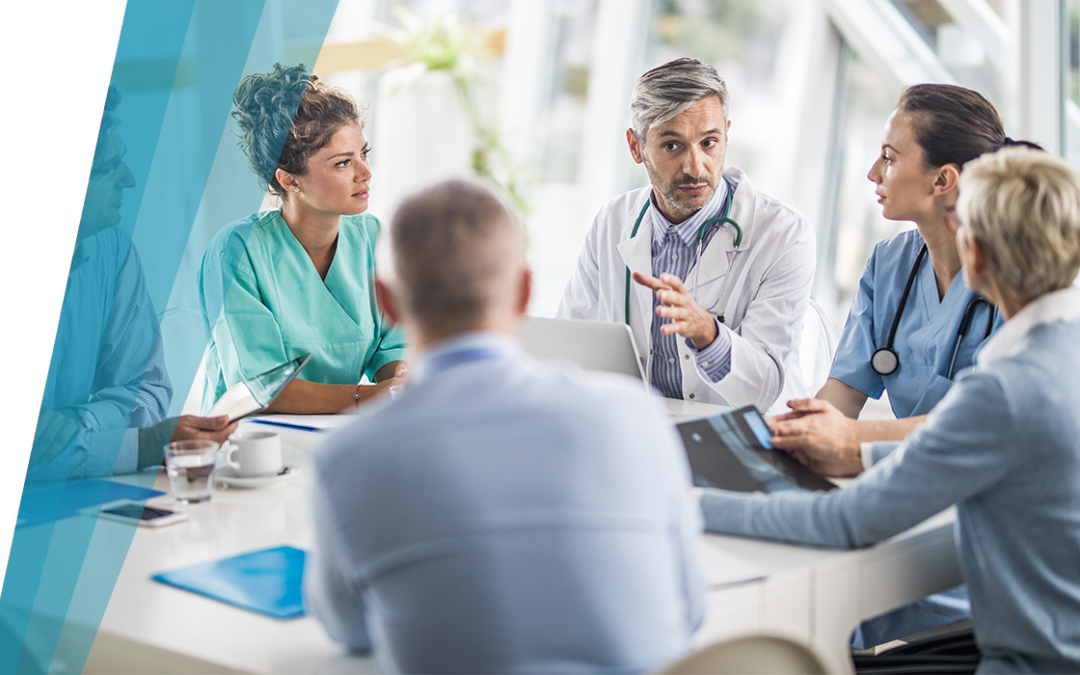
<point x="725" y="569"/>
<point x="236" y="402"/>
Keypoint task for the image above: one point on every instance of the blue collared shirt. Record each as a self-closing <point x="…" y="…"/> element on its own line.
<point x="674" y="251"/>
<point x="503" y="515"/>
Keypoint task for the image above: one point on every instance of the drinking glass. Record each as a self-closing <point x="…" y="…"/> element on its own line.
<point x="191" y="470"/>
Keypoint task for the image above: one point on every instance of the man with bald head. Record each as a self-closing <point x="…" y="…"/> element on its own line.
<point x="499" y="515"/>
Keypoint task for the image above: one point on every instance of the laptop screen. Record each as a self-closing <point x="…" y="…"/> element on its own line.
<point x="592" y="345"/>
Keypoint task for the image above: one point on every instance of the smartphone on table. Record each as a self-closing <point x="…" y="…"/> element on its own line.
<point x="133" y="512"/>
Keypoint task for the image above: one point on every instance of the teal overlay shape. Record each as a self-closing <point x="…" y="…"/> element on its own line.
<point x="176" y="66"/>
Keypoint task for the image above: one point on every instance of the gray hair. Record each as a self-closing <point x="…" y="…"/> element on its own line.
<point x="1023" y="207"/>
<point x="669" y="89"/>
<point x="107" y="133"/>
<point x="456" y="251"/>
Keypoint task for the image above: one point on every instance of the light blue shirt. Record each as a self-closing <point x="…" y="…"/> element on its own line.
<point x="674" y="251"/>
<point x="107" y="362"/>
<point x="926" y="334"/>
<point x="1004" y="446"/>
<point x="506" y="516"/>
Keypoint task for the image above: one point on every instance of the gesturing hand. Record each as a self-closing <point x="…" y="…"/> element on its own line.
<point x="688" y="319"/>
<point x="819" y="436"/>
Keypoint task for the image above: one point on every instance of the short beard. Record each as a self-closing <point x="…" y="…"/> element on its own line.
<point x="675" y="200"/>
<point x="669" y="190"/>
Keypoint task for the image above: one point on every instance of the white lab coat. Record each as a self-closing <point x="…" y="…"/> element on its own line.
<point x="763" y="303"/>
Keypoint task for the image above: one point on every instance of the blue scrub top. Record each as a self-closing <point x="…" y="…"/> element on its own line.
<point x="926" y="334"/>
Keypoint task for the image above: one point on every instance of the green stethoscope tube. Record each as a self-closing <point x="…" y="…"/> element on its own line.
<point x="723" y="218"/>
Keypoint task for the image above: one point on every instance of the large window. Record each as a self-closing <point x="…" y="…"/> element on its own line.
<point x="547" y="86"/>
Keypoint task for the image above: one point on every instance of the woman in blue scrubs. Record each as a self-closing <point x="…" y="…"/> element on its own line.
<point x="295" y="280"/>
<point x="911" y="347"/>
<point x="934" y="130"/>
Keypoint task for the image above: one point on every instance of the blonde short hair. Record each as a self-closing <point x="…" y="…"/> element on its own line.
<point x="1023" y="207"/>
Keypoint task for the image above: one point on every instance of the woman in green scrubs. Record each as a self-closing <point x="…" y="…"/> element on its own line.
<point x="282" y="283"/>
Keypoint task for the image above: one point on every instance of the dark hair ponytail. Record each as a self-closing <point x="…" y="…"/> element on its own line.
<point x="953" y="125"/>
<point x="1010" y="143"/>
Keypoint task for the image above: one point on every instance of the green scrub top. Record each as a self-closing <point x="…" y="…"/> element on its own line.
<point x="276" y="307"/>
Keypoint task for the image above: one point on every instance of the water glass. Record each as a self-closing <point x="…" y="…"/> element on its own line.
<point x="191" y="470"/>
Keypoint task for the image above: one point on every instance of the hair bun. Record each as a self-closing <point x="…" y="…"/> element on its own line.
<point x="265" y="105"/>
<point x="285" y="116"/>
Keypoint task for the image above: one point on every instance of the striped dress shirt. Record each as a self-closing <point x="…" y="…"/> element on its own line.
<point x="674" y="251"/>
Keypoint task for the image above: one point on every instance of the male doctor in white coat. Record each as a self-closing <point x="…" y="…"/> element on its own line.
<point x="721" y="272"/>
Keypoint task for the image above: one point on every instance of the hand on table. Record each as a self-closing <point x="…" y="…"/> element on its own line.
<point x="819" y="436"/>
<point x="382" y="387"/>
<point x="190" y="427"/>
<point x="688" y="319"/>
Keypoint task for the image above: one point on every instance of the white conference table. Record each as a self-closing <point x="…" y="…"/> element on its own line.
<point x="813" y="595"/>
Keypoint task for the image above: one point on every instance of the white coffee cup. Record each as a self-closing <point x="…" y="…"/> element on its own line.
<point x="254" y="453"/>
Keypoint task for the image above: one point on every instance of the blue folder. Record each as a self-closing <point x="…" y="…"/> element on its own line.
<point x="64" y="501"/>
<point x="267" y="581"/>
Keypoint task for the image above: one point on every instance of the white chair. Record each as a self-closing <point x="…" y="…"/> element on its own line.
<point x="754" y="655"/>
<point x="818" y="344"/>
<point x="193" y="405"/>
<point x="184" y="341"/>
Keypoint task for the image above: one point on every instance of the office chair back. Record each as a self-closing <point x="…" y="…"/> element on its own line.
<point x="753" y="655"/>
<point x="184" y="343"/>
<point x="818" y="344"/>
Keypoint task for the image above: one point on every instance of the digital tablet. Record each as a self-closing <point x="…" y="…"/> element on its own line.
<point x="254" y="395"/>
<point x="732" y="451"/>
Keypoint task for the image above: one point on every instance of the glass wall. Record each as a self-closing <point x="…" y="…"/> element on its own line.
<point x="1071" y="65"/>
<point x="534" y="95"/>
<point x="744" y="41"/>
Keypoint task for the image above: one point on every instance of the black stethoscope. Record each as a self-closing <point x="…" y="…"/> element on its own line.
<point x="885" y="361"/>
<point x="722" y="218"/>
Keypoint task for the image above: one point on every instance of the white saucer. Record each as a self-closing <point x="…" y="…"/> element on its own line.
<point x="226" y="474"/>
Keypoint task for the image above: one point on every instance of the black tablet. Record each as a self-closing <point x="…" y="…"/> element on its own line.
<point x="732" y="451"/>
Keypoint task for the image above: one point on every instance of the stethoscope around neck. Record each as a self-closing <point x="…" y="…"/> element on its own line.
<point x="885" y="361"/>
<point x="722" y="218"/>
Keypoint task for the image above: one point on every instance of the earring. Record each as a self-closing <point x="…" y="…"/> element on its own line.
<point x="297" y="190"/>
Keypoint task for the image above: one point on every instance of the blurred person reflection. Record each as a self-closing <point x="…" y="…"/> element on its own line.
<point x="107" y="393"/>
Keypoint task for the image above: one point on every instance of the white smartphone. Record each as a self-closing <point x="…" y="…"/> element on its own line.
<point x="130" y="511"/>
